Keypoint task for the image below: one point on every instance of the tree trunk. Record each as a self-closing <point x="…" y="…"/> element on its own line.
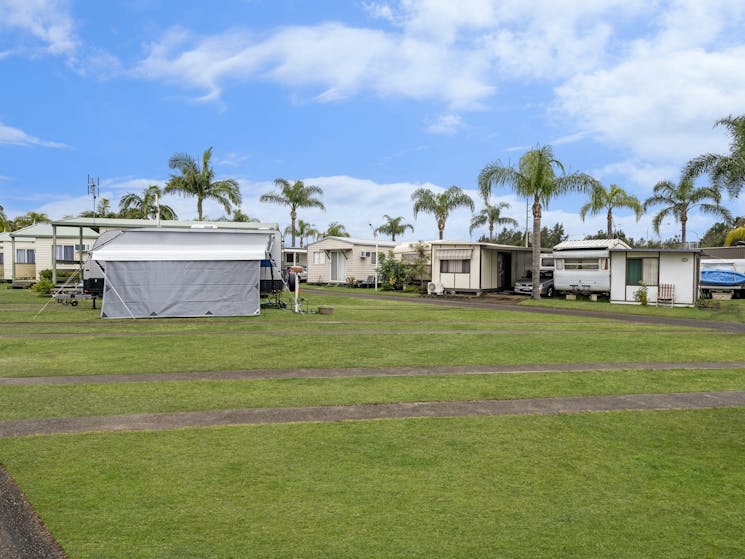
<point x="683" y="220"/>
<point x="610" y="223"/>
<point x="441" y="227"/>
<point x="536" y="249"/>
<point x="199" y="208"/>
<point x="293" y="217"/>
<point x="491" y="231"/>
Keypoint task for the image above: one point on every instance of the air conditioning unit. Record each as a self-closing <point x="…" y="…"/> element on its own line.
<point x="435" y="288"/>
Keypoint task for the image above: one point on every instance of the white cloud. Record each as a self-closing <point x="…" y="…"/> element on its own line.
<point x="338" y="59"/>
<point x="48" y="21"/>
<point x="446" y="124"/>
<point x="15" y="136"/>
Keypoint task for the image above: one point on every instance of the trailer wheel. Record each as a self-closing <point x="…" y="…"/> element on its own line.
<point x="74" y="303"/>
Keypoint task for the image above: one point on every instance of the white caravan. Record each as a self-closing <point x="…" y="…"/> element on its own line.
<point x="584" y="266"/>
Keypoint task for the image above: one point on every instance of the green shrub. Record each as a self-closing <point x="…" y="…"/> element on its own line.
<point x="394" y="273"/>
<point x="43" y="286"/>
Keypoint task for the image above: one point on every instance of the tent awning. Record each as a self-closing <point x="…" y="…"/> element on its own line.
<point x="455" y="254"/>
<point x="148" y="246"/>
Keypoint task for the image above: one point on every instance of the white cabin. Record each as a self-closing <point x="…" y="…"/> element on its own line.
<point x="633" y="269"/>
<point x="343" y="260"/>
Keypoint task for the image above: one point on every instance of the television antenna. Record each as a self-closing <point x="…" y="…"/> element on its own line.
<point x="93" y="191"/>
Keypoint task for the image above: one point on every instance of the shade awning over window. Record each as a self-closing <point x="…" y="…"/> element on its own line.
<point x="455" y="254"/>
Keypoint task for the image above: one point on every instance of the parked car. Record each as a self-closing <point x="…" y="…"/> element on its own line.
<point x="302" y="276"/>
<point x="524" y="286"/>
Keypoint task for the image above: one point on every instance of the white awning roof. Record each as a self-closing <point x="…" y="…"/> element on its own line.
<point x="185" y="245"/>
<point x="455" y="254"/>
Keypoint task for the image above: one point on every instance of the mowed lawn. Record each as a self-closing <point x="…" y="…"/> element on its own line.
<point x="621" y="484"/>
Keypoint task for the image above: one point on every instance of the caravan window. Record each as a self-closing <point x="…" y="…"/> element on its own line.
<point x="455" y="266"/>
<point x="25" y="256"/>
<point x="580" y="264"/>
<point x="319" y="257"/>
<point x="65" y="252"/>
<point x="640" y="270"/>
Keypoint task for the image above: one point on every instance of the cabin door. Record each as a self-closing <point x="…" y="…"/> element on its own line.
<point x="338" y="266"/>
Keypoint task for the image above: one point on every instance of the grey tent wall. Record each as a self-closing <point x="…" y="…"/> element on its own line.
<point x="150" y="289"/>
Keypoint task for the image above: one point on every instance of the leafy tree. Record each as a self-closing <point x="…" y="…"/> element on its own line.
<point x="199" y="182"/>
<point x="491" y="215"/>
<point x="602" y="199"/>
<point x="717" y="233"/>
<point x="335" y="229"/>
<point x="394" y="273"/>
<point x="617" y="234"/>
<point x="540" y="176"/>
<point x="394" y="226"/>
<point x="553" y="236"/>
<point x="304" y="230"/>
<point x="440" y="205"/>
<point x="677" y="201"/>
<point x="512" y="237"/>
<point x="296" y="195"/>
<point x="145" y="206"/>
<point x="725" y="171"/>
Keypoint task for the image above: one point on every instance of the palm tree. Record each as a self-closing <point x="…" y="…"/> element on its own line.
<point x="335" y="229"/>
<point x="4" y="223"/>
<point x="725" y="171"/>
<point x="393" y="226"/>
<point x="303" y="230"/>
<point x="440" y="205"/>
<point x="199" y="182"/>
<point x="491" y="215"/>
<point x="678" y="200"/>
<point x="297" y="195"/>
<point x="103" y="209"/>
<point x="147" y="206"/>
<point x="536" y="177"/>
<point x="29" y="218"/>
<point x="615" y="197"/>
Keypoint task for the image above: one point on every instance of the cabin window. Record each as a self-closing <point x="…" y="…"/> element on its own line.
<point x="25" y="256"/>
<point x="65" y="252"/>
<point x="374" y="258"/>
<point x="455" y="266"/>
<point x="1" y="259"/>
<point x="642" y="270"/>
<point x="319" y="257"/>
<point x="580" y="264"/>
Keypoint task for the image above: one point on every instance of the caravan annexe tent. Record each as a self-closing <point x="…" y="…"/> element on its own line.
<point x="183" y="272"/>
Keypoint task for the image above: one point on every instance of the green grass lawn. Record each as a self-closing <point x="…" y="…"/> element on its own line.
<point x="632" y="484"/>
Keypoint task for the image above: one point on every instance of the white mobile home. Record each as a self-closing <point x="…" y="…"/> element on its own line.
<point x="584" y="266"/>
<point x="466" y="266"/>
<point x="4" y="253"/>
<point x="669" y="273"/>
<point x="344" y="260"/>
<point x="43" y="247"/>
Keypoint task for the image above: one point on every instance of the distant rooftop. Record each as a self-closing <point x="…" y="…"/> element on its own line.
<point x="96" y="222"/>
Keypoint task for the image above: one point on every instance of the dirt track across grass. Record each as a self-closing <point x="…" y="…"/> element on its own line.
<point x="506" y="303"/>
<point x="528" y="406"/>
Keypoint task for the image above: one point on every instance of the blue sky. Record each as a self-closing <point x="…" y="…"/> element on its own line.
<point x="367" y="99"/>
